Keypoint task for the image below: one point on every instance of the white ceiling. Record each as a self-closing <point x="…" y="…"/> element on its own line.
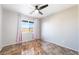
<point x="27" y="8"/>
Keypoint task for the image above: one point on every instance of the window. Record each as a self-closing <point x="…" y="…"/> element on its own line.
<point x="27" y="26"/>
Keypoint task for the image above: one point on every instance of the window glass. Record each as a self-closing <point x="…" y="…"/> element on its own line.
<point x="27" y="26"/>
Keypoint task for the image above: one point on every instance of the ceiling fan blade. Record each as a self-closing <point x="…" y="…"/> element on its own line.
<point x="44" y="6"/>
<point x="40" y="12"/>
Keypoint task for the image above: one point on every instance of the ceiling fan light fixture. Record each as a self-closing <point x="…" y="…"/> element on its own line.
<point x="36" y="11"/>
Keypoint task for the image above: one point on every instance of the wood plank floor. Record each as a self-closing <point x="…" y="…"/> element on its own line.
<point x="36" y="47"/>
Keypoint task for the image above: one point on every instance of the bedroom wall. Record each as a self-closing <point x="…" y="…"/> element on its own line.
<point x="9" y="27"/>
<point x="0" y="27"/>
<point x="62" y="28"/>
<point x="78" y="27"/>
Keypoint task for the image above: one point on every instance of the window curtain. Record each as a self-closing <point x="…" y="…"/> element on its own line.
<point x="19" y="33"/>
<point x="36" y="29"/>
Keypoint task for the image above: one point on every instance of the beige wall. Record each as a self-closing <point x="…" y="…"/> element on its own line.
<point x="61" y="28"/>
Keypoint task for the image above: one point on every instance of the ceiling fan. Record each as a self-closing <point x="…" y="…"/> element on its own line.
<point x="38" y="8"/>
